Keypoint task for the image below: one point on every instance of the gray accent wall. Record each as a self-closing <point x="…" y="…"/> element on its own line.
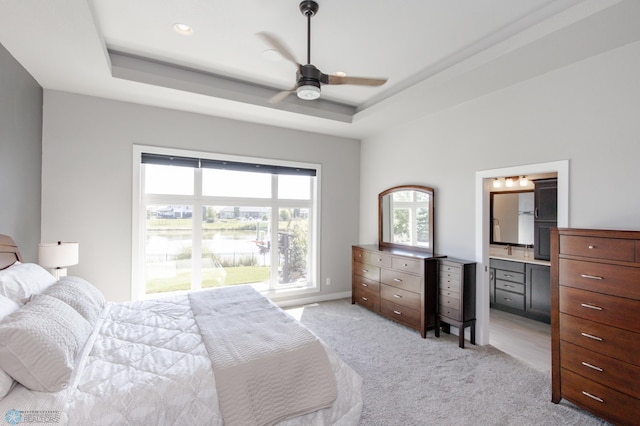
<point x="87" y="180"/>
<point x="20" y="155"/>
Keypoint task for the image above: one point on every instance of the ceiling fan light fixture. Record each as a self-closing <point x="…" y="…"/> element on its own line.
<point x="308" y="92"/>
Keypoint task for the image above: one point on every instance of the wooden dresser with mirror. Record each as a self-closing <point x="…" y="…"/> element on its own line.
<point x="398" y="278"/>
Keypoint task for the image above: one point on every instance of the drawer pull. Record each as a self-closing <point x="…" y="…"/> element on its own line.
<point x="592" y="396"/>
<point x="591" y="336"/>
<point x="406" y="264"/>
<point x="398" y="280"/>
<point x="591" y="247"/>
<point x="365" y="299"/>
<point x="586" y="364"/>
<point x="508" y="275"/>
<point x="397" y="296"/>
<point x="510" y="286"/>
<point x="508" y="300"/>
<point x="591" y="277"/>
<point x="586" y="305"/>
<point x="365" y="285"/>
<point x="365" y="270"/>
<point x="397" y="312"/>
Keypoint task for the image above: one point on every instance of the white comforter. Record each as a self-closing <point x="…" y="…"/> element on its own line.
<point x="146" y="364"/>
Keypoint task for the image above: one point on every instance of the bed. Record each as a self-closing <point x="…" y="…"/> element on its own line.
<point x="224" y="356"/>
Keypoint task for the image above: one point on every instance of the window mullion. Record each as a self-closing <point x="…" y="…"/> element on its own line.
<point x="196" y="224"/>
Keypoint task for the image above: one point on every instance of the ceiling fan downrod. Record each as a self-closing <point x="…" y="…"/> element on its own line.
<point x="309" y="8"/>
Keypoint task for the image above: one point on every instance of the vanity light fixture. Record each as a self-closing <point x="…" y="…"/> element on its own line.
<point x="497" y="183"/>
<point x="508" y="182"/>
<point x="524" y="181"/>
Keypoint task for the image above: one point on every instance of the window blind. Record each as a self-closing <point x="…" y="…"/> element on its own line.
<point x="207" y="163"/>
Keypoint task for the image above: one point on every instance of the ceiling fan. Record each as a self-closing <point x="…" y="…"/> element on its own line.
<point x="308" y="77"/>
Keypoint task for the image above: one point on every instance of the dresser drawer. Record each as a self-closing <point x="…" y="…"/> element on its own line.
<point x="510" y="286"/>
<point x="615" y="311"/>
<point x="400" y="296"/>
<point x="600" y="248"/>
<point x="601" y="277"/>
<point x="377" y="259"/>
<point x="450" y="267"/>
<point x="449" y="282"/>
<point x="449" y="293"/>
<point x="357" y="254"/>
<point x="411" y="266"/>
<point x="511" y="300"/>
<point x="451" y="302"/>
<point x="401" y="280"/>
<point x="600" y="368"/>
<point x="614" y="342"/>
<point x="359" y="281"/>
<point x="515" y="277"/>
<point x="369" y="272"/>
<point x="449" y="312"/>
<point x="601" y="400"/>
<point x="408" y="316"/>
<point x="367" y="298"/>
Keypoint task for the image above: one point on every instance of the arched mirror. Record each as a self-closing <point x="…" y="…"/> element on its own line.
<point x="405" y="218"/>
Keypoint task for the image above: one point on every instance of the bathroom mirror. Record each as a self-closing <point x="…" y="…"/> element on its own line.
<point x="512" y="215"/>
<point x="405" y="218"/>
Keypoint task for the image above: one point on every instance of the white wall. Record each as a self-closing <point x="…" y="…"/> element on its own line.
<point x="87" y="182"/>
<point x="587" y="113"/>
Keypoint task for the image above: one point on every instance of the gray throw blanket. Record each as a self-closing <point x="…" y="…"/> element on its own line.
<point x="267" y="366"/>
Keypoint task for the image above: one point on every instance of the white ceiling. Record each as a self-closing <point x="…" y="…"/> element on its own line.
<point x="435" y="53"/>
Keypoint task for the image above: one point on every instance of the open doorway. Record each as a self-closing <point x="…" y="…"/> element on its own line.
<point x="484" y="181"/>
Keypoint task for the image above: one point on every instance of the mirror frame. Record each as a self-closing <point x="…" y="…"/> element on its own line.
<point x="491" y="195"/>
<point x="386" y="244"/>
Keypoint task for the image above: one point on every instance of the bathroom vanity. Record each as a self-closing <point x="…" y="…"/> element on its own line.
<point x="521" y="286"/>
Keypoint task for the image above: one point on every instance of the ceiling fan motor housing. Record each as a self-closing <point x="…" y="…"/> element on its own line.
<point x="309" y="75"/>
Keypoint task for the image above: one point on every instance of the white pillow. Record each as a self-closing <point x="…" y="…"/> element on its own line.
<point x="7" y="306"/>
<point x="21" y="280"/>
<point x="40" y="343"/>
<point x="78" y="293"/>
<point x="6" y="383"/>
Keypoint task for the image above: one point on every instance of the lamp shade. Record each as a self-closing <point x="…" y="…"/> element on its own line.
<point x="58" y="255"/>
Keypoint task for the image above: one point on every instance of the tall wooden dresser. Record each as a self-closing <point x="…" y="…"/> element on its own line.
<point x="398" y="284"/>
<point x="595" y="321"/>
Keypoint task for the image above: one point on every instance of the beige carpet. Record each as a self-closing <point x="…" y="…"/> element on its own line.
<point x="413" y="381"/>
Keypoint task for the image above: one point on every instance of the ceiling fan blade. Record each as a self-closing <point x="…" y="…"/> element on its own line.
<point x="278" y="45"/>
<point x="361" y="81"/>
<point x="279" y="97"/>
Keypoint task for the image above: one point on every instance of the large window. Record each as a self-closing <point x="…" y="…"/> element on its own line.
<point x="206" y="221"/>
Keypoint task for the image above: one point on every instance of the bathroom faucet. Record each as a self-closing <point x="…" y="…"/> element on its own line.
<point x="508" y="249"/>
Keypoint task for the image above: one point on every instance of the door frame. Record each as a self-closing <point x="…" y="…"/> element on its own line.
<point x="483" y="184"/>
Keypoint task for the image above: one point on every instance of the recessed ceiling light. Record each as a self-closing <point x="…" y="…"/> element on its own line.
<point x="272" y="55"/>
<point x="183" y="29"/>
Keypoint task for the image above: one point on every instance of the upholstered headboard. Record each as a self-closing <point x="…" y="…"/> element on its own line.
<point x="9" y="252"/>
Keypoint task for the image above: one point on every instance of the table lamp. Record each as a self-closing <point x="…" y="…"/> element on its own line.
<point x="57" y="256"/>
